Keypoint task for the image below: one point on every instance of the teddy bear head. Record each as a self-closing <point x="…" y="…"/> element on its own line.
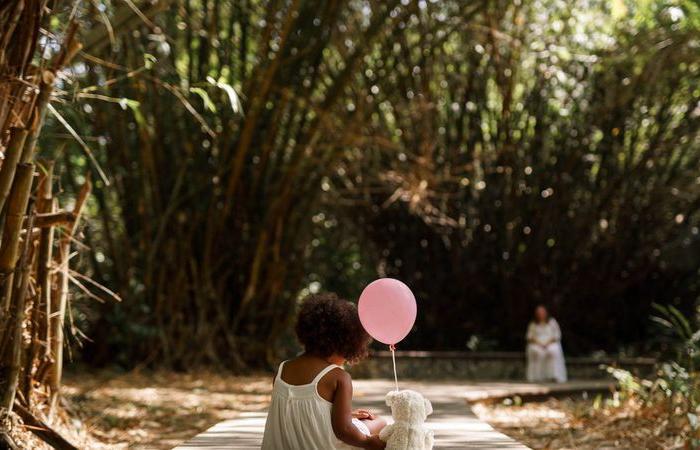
<point x="408" y="406"/>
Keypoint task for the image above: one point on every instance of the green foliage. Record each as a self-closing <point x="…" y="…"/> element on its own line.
<point x="682" y="335"/>
<point x="208" y="224"/>
<point x="679" y="14"/>
<point x="677" y="384"/>
<point x="536" y="152"/>
<point x="492" y="154"/>
<point x="208" y="104"/>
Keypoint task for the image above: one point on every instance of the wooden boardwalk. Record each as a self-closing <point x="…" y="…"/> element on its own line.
<point x="455" y="426"/>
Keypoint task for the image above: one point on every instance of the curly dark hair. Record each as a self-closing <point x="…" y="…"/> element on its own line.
<point x="328" y="325"/>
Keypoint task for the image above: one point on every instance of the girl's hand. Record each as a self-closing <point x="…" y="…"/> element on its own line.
<point x="363" y="414"/>
<point x="374" y="443"/>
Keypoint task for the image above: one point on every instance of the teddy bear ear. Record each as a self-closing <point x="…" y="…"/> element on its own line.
<point x="390" y="398"/>
<point x="428" y="407"/>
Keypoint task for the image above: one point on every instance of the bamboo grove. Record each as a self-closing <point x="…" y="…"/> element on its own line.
<point x="545" y="168"/>
<point x="492" y="154"/>
<point x="211" y="201"/>
<point x="38" y="230"/>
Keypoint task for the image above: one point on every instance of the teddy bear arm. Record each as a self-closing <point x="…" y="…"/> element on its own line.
<point x="429" y="440"/>
<point x="386" y="432"/>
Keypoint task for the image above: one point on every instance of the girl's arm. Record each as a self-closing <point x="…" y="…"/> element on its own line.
<point x="341" y="416"/>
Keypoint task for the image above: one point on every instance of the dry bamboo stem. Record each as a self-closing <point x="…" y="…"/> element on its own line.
<point x="47" y="296"/>
<point x="16" y="209"/>
<point x="61" y="300"/>
<point x="42" y="430"/>
<point x="54" y="218"/>
<point x="57" y="321"/>
<point x="20" y="296"/>
<point x="123" y="20"/>
<point x="40" y="310"/>
<point x="69" y="49"/>
<point x="6" y="442"/>
<point x="9" y="164"/>
<point x="42" y="101"/>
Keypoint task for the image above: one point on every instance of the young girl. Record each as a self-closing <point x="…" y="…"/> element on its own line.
<point x="312" y="396"/>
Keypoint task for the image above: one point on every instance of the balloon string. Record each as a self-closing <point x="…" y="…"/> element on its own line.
<point x="393" y="360"/>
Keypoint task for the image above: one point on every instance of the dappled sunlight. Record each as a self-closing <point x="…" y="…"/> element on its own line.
<point x="159" y="410"/>
<point x="583" y="424"/>
<point x="531" y="415"/>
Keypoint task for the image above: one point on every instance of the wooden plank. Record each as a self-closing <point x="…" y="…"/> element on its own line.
<point x="244" y="432"/>
<point x="455" y="426"/>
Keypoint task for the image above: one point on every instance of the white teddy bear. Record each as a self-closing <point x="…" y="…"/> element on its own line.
<point x="408" y="432"/>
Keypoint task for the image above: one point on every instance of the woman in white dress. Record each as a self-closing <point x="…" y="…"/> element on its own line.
<point x="545" y="357"/>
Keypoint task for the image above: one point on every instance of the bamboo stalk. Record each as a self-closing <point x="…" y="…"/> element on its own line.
<point x="69" y="49"/>
<point x="16" y="207"/>
<point x="19" y="294"/>
<point x="250" y="124"/>
<point x="40" y="310"/>
<point x="44" y="278"/>
<point x="52" y="219"/>
<point x="9" y="164"/>
<point x="60" y="302"/>
<point x="6" y="442"/>
<point x="124" y="19"/>
<point x="42" y="430"/>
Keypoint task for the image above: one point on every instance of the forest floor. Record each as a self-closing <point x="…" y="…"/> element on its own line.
<point x="158" y="410"/>
<point x="583" y="425"/>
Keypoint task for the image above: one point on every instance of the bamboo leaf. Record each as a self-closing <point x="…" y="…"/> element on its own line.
<point x="149" y="60"/>
<point x="135" y="108"/>
<point x="233" y="97"/>
<point x="208" y="104"/>
<point x="663" y="322"/>
<point x="82" y="143"/>
<point x="683" y="324"/>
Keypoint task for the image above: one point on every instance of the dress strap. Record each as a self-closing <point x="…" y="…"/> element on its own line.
<point x="279" y="371"/>
<point x="327" y="369"/>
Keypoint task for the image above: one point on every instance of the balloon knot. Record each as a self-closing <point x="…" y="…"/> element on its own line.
<point x="392" y="347"/>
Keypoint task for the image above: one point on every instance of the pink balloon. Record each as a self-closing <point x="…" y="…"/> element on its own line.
<point x="387" y="310"/>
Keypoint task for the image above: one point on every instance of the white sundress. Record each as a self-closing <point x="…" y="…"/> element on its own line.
<point x="300" y="419"/>
<point x="545" y="363"/>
